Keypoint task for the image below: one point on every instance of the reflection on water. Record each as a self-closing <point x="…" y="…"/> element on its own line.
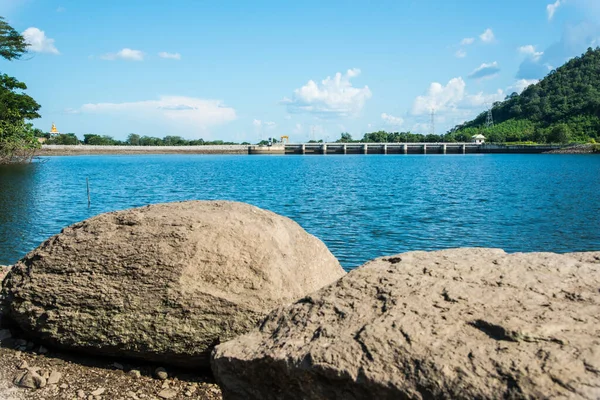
<point x="361" y="206"/>
<point x="17" y="208"/>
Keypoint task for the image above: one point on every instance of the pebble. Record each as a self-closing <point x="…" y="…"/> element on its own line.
<point x="134" y="373"/>
<point x="42" y="350"/>
<point x="54" y="377"/>
<point x="98" y="391"/>
<point x="117" y="365"/>
<point x="132" y="395"/>
<point x="161" y="373"/>
<point x="63" y="386"/>
<point x="23" y="365"/>
<point x="81" y="394"/>
<point x="167" y="393"/>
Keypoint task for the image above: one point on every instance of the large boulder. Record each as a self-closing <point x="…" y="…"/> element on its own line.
<point x="165" y="282"/>
<point x="453" y="324"/>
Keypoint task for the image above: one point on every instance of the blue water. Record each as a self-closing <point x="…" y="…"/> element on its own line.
<point x="362" y="207"/>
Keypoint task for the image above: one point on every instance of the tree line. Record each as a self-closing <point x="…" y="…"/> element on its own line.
<point x="133" y="139"/>
<point x="17" y="137"/>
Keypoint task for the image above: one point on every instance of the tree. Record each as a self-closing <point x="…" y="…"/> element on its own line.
<point x="12" y="44"/>
<point x="133" y="139"/>
<point x="560" y="134"/>
<point x="64" y="139"/>
<point x="18" y="141"/>
<point x="11" y="99"/>
<point x="345" y="138"/>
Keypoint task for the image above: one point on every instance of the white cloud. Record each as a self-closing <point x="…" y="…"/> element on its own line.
<point x="38" y="42"/>
<point x="481" y="99"/>
<point x="487" y="36"/>
<point x="522" y="84"/>
<point x="551" y="9"/>
<point x="172" y="56"/>
<point x="452" y="99"/>
<point x="186" y="112"/>
<point x="125" y="54"/>
<point x="439" y="97"/>
<point x="267" y="124"/>
<point x="467" y="41"/>
<point x="485" y="71"/>
<point x="460" y="53"/>
<point x="530" y="50"/>
<point x="333" y="97"/>
<point x="391" y="120"/>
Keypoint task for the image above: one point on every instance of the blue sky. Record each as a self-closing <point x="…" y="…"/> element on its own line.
<point x="240" y="71"/>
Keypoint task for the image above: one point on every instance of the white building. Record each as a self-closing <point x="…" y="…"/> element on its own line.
<point x="478" y="139"/>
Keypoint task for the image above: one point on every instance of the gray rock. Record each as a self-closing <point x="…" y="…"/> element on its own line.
<point x="54" y="377"/>
<point x="134" y="373"/>
<point x="164" y="283"/>
<point x="167" y="393"/>
<point x="31" y="380"/>
<point x="161" y="373"/>
<point x="98" y="392"/>
<point x="454" y="324"/>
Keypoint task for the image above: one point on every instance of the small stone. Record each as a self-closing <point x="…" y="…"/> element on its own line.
<point x="117" y="365"/>
<point x="134" y="373"/>
<point x="161" y="373"/>
<point x="42" y="350"/>
<point x="132" y="395"/>
<point x="63" y="385"/>
<point x="98" y="391"/>
<point x="23" y="365"/>
<point x="165" y="385"/>
<point x="32" y="380"/>
<point x="167" y="394"/>
<point x="81" y="394"/>
<point x="5" y="334"/>
<point x="54" y="378"/>
<point x="187" y="393"/>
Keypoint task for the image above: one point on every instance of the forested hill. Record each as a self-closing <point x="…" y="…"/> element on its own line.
<point x="563" y="107"/>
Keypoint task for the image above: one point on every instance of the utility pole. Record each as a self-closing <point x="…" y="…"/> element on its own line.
<point x="489" y="122"/>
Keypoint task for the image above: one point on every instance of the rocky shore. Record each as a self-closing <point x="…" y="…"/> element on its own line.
<point x="577" y="149"/>
<point x="144" y="303"/>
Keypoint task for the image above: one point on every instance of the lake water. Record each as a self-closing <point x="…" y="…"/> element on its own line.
<point x="362" y="207"/>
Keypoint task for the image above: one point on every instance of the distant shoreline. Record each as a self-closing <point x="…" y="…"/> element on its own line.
<point x="374" y="148"/>
<point x="76" y="150"/>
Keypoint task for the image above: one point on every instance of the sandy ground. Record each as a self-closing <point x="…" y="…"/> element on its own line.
<point x="92" y="378"/>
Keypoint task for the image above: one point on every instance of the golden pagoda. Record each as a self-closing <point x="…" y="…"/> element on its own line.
<point x="53" y="130"/>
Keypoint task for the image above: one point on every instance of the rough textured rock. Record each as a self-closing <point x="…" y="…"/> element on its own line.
<point x="165" y="282"/>
<point x="453" y="324"/>
<point x="3" y="271"/>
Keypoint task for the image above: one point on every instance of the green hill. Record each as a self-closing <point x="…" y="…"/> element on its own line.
<point x="563" y="107"/>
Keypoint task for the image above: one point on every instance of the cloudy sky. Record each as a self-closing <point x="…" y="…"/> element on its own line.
<point x="238" y="70"/>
